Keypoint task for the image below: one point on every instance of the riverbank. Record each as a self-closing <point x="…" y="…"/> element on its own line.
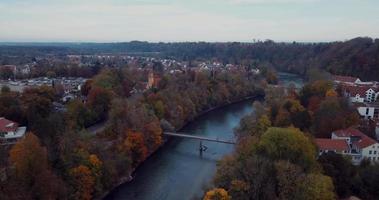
<point x="129" y="177"/>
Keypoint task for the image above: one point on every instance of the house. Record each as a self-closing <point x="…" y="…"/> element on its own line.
<point x="10" y="132"/>
<point x="361" y="146"/>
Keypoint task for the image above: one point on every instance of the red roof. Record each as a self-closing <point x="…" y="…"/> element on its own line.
<point x="7" y="125"/>
<point x="348" y="132"/>
<point x="330" y="144"/>
<point x="364" y="140"/>
<point x="347" y="79"/>
<point x="354" y="90"/>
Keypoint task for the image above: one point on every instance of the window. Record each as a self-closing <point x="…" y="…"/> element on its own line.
<point x="370" y="152"/>
<point x="366" y="111"/>
<point x="374" y="152"/>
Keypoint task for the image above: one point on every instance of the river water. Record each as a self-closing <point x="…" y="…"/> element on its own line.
<point x="177" y="171"/>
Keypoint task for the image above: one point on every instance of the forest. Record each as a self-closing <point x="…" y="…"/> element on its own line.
<point x="77" y="164"/>
<point x="276" y="156"/>
<point x="356" y="57"/>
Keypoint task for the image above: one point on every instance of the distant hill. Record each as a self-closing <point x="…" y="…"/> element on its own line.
<point x="356" y="57"/>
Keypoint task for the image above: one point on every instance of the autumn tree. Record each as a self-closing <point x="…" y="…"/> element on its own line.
<point x="217" y="194"/>
<point x="331" y="93"/>
<point x="83" y="182"/>
<point x="153" y="134"/>
<point x="288" y="144"/>
<point x="332" y="115"/>
<point x="99" y="100"/>
<point x="340" y="170"/>
<point x="135" y="144"/>
<point x="79" y="115"/>
<point x="32" y="170"/>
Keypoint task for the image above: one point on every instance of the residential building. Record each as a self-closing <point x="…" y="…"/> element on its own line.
<point x="357" y="90"/>
<point x="349" y="80"/>
<point x="10" y="132"/>
<point x="368" y="110"/>
<point x="350" y="142"/>
<point x="358" y="93"/>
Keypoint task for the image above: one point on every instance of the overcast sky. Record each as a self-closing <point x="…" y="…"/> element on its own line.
<point x="187" y="20"/>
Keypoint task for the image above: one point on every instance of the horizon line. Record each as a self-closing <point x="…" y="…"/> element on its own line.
<point x="168" y="42"/>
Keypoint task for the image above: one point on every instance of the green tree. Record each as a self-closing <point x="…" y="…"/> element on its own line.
<point x="288" y="144"/>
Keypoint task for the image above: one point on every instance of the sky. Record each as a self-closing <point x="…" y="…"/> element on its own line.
<point x="187" y="20"/>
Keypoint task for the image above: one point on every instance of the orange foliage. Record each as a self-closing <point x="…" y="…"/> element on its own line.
<point x="95" y="161"/>
<point x="32" y="170"/>
<point x="83" y="182"/>
<point x="217" y="194"/>
<point x="135" y="144"/>
<point x="28" y="157"/>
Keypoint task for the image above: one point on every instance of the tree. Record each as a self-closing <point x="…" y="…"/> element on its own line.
<point x="288" y="144"/>
<point x="263" y="124"/>
<point x="331" y="93"/>
<point x="32" y="170"/>
<point x="332" y="115"/>
<point x="83" y="182"/>
<point x="159" y="109"/>
<point x="153" y="134"/>
<point x="289" y="180"/>
<point x="5" y="89"/>
<point x="340" y="170"/>
<point x="318" y="187"/>
<point x="217" y="194"/>
<point x="135" y="144"/>
<point x="99" y="100"/>
<point x="79" y="115"/>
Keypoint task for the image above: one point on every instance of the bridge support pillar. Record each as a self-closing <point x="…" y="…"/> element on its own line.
<point x="202" y="148"/>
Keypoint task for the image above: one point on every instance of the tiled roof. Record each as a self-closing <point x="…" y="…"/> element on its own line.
<point x="330" y="144"/>
<point x="348" y="132"/>
<point x="348" y="79"/>
<point x="7" y="125"/>
<point x="364" y="140"/>
<point x="354" y="90"/>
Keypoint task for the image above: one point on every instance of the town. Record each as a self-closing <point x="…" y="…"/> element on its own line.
<point x="352" y="142"/>
<point x="184" y="100"/>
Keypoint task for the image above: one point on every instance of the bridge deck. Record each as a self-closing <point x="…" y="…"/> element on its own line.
<point x="198" y="137"/>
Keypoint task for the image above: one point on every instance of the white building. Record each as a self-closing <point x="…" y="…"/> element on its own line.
<point x="361" y="146"/>
<point x="360" y="94"/>
<point x="10" y="133"/>
<point x="368" y="110"/>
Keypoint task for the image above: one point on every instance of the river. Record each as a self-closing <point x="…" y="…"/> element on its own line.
<point x="177" y="171"/>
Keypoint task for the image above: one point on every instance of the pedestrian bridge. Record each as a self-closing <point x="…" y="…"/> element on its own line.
<point x="201" y="138"/>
